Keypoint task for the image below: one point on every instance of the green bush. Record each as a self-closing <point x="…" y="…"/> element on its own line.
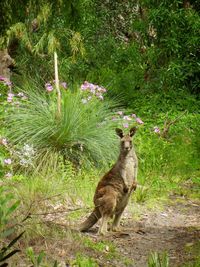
<point x="83" y="134"/>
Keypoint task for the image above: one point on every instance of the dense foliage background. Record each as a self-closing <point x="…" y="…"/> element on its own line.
<point x="141" y="61"/>
<point x="146" y="55"/>
<point x="148" y="46"/>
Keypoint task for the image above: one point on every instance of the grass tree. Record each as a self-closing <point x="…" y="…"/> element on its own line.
<point x="83" y="132"/>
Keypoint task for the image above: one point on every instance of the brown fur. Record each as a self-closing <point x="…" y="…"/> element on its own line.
<point x="115" y="187"/>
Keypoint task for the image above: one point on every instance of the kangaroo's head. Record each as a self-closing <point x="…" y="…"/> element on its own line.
<point x="126" y="139"/>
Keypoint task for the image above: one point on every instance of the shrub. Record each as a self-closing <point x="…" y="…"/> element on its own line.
<point x="82" y="134"/>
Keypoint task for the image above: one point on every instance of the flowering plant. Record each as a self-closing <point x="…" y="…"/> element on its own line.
<point x="92" y="91"/>
<point x="126" y="121"/>
<point x="5" y="160"/>
<point x="26" y="155"/>
<point x="50" y="86"/>
<point x="10" y="157"/>
<point x="7" y="94"/>
<point x="89" y="91"/>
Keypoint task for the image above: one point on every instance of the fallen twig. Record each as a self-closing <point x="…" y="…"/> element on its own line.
<point x="57" y="212"/>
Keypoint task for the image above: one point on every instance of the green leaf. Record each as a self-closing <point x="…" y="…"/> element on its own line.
<point x="55" y="264"/>
<point x="40" y="257"/>
<point x="10" y="254"/>
<point x="15" y="240"/>
<point x="13" y="207"/>
<point x="30" y="254"/>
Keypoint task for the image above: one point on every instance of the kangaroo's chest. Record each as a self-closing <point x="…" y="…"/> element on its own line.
<point x="128" y="172"/>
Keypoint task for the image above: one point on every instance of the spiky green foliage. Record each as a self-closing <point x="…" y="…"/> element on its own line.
<point x="158" y="260"/>
<point x="8" y="206"/>
<point x="82" y="134"/>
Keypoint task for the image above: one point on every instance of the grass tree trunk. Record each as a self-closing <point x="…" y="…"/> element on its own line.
<point x="57" y="84"/>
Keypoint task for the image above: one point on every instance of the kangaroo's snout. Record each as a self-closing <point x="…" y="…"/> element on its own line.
<point x="126" y="145"/>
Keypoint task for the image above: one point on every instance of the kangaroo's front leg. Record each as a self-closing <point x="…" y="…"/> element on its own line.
<point x="103" y="229"/>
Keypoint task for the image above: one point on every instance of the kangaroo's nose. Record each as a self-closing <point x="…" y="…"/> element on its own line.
<point x="127" y="145"/>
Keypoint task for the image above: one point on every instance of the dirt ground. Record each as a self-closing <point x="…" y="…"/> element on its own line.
<point x="175" y="230"/>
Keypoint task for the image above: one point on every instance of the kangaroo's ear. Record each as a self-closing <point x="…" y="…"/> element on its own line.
<point x="119" y="132"/>
<point x="132" y="131"/>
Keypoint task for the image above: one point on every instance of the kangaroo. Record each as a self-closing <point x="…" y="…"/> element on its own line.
<point x="114" y="189"/>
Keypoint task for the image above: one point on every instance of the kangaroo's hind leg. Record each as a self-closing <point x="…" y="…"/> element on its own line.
<point x="103" y="229"/>
<point x="116" y="222"/>
<point x="107" y="208"/>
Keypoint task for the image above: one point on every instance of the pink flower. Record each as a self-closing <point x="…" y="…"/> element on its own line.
<point x="138" y="120"/>
<point x="156" y="129"/>
<point x="100" y="97"/>
<point x="85" y="86"/>
<point x="11" y="94"/>
<point x="114" y="118"/>
<point x="4" y="141"/>
<point x="101" y="89"/>
<point x="125" y="125"/>
<point x="49" y="87"/>
<point x="64" y="85"/>
<point x="127" y="118"/>
<point x="2" y="78"/>
<point x="8" y="83"/>
<point x="133" y="115"/>
<point x="7" y="161"/>
<point x="92" y="87"/>
<point x="120" y="113"/>
<point x="92" y="90"/>
<point x="9" y="99"/>
<point x="20" y="94"/>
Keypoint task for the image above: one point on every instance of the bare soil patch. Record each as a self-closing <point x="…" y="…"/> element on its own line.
<point x="173" y="230"/>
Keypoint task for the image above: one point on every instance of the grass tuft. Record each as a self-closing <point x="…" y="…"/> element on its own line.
<point x="84" y="134"/>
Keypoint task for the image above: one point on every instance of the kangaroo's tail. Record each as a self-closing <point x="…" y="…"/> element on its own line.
<point x="90" y="221"/>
